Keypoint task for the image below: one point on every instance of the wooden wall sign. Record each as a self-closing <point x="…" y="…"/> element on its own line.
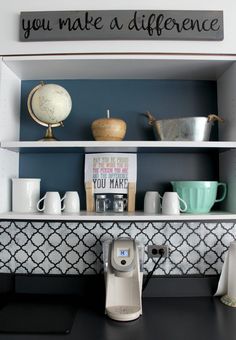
<point x="114" y="173"/>
<point x="110" y="172"/>
<point x="121" y="25"/>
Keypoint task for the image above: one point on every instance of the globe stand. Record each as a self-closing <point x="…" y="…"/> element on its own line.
<point x="49" y="136"/>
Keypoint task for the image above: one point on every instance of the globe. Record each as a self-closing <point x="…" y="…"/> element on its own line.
<point x="49" y="105"/>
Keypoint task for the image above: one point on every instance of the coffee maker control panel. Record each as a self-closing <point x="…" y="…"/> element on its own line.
<point x="122" y="254"/>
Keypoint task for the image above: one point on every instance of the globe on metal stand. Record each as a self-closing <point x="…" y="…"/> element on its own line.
<point x="49" y="105"/>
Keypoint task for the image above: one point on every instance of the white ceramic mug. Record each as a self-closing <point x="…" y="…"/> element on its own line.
<point x="25" y="194"/>
<point x="51" y="204"/>
<point x="171" y="205"/>
<point x="152" y="202"/>
<point x="71" y="202"/>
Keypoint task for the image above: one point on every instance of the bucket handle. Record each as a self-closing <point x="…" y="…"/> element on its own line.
<point x="151" y="118"/>
<point x="213" y="118"/>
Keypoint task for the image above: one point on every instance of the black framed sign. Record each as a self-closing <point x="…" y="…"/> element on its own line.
<point x="121" y="25"/>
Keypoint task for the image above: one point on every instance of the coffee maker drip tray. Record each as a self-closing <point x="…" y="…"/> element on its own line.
<point x="123" y="313"/>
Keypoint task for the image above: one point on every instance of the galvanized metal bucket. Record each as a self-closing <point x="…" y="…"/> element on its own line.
<point x="183" y="129"/>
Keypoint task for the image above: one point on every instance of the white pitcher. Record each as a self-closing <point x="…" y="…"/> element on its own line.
<point x="25" y="194"/>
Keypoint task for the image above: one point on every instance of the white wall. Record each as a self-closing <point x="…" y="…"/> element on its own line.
<point x="9" y="27"/>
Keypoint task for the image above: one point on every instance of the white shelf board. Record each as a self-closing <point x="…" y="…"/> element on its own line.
<point x="137" y="216"/>
<point x="113" y="146"/>
<point x="119" y="66"/>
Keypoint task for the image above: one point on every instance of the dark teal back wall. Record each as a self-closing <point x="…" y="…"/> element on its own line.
<point x="126" y="99"/>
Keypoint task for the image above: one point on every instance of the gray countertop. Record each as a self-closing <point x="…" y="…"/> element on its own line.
<point x="176" y="318"/>
<point x="173" y="309"/>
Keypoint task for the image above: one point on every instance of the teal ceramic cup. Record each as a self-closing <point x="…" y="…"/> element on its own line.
<point x="200" y="196"/>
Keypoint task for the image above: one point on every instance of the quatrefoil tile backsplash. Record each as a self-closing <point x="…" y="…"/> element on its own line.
<point x="76" y="247"/>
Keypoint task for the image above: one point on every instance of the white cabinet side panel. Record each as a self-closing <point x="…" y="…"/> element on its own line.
<point x="9" y="130"/>
<point x="10" y="92"/>
<point x="226" y="93"/>
<point x="9" y="27"/>
<point x="228" y="175"/>
<point x="9" y="168"/>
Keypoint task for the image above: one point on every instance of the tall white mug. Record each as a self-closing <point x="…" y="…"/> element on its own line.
<point x="25" y="194"/>
<point x="171" y="205"/>
<point x="71" y="204"/>
<point x="152" y="202"/>
<point x="51" y="203"/>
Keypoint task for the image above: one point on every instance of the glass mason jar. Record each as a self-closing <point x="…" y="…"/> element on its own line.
<point x="102" y="203"/>
<point x="119" y="203"/>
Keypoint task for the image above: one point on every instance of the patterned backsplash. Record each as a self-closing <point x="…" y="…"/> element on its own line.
<point x="76" y="247"/>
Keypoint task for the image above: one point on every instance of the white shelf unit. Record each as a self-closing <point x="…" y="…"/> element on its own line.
<point x="119" y="66"/>
<point x="138" y="216"/>
<point x="113" y="146"/>
<point x="123" y="66"/>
